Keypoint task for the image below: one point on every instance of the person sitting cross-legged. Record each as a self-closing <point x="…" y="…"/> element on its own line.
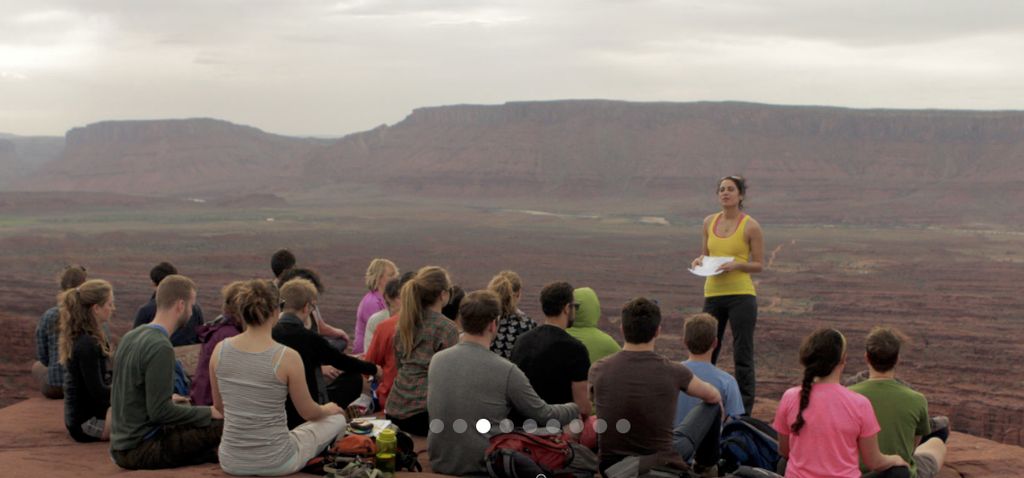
<point x="586" y="326"/>
<point x="700" y="334"/>
<point x="149" y="430"/>
<point x="251" y="376"/>
<point x="298" y="299"/>
<point x="901" y="412"/>
<point x="496" y="387"/>
<point x="47" y="369"/>
<point x="85" y="353"/>
<point x="184" y="335"/>
<point x="824" y="427"/>
<point x="635" y="393"/>
<point x="556" y="363"/>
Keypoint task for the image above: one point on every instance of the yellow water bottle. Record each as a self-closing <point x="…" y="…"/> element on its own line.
<point x="387" y="449"/>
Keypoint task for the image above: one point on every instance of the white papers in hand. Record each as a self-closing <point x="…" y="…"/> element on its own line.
<point x="709" y="266"/>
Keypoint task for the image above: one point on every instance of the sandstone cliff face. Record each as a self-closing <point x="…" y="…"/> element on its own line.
<point x="21" y="155"/>
<point x="173" y="157"/>
<point x="807" y="164"/>
<point x="618" y="144"/>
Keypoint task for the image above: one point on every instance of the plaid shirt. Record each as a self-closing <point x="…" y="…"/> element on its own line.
<point x="409" y="393"/>
<point x="47" y="339"/>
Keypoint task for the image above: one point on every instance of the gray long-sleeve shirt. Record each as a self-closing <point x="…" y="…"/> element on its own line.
<point x="469" y="382"/>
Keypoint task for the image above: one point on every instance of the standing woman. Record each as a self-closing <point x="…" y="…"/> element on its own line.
<point x="377" y="276"/>
<point x="422" y="332"/>
<point x="730" y="296"/>
<point x="85" y="354"/>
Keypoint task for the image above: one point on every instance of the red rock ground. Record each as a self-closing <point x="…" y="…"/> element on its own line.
<point x="33" y="444"/>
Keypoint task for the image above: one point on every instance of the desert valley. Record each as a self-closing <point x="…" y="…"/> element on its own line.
<point x="896" y="217"/>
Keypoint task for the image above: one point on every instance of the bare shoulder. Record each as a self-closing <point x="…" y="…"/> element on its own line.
<point x="291" y="357"/>
<point x="709" y="218"/>
<point x="752" y="224"/>
<point x="291" y="353"/>
<point x="215" y="353"/>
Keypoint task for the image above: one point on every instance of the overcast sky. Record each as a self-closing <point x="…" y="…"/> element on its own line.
<point x="311" y="67"/>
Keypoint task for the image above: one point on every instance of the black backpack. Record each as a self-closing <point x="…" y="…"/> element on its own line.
<point x="406" y="459"/>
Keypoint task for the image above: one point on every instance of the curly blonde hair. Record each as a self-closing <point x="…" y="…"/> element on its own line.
<point x="76" y="317"/>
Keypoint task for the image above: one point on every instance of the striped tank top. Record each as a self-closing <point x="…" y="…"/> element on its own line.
<point x="255" y="437"/>
<point x="735" y="245"/>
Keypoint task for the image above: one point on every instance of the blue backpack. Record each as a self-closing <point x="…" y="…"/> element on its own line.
<point x="747" y="441"/>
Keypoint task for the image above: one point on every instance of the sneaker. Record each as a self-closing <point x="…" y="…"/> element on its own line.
<point x="940" y="429"/>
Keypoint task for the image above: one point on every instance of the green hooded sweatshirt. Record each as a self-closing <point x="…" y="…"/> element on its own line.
<point x="599" y="344"/>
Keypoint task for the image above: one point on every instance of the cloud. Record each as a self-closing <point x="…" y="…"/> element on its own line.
<point x="337" y="66"/>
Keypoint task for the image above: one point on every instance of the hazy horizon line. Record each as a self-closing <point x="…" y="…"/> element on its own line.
<point x="328" y="136"/>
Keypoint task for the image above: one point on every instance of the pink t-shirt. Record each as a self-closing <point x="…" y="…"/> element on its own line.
<point x="827" y="444"/>
<point x="372" y="303"/>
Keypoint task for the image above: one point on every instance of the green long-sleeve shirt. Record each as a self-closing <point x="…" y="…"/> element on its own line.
<point x="140" y="396"/>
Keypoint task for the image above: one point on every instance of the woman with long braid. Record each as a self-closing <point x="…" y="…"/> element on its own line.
<point x="823" y="427"/>
<point x="85" y="354"/>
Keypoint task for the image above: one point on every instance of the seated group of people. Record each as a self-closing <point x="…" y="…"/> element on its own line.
<point x="273" y="379"/>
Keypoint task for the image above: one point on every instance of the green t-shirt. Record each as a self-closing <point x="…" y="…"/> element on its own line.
<point x="902" y="414"/>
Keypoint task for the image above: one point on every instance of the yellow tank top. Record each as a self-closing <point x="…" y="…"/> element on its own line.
<point x="735" y="282"/>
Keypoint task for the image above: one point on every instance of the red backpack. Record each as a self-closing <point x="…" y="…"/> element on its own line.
<point x="524" y="455"/>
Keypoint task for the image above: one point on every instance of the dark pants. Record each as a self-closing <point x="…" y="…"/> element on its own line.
<point x="740" y="313"/>
<point x="51" y="392"/>
<point x="418" y="424"/>
<point x="40" y="373"/>
<point x="345" y="389"/>
<point x="696" y="437"/>
<point x="172" y="447"/>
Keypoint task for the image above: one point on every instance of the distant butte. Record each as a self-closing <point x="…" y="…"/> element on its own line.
<point x="925" y="166"/>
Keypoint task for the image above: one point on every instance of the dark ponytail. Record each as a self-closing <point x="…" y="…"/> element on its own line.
<point x="820" y="353"/>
